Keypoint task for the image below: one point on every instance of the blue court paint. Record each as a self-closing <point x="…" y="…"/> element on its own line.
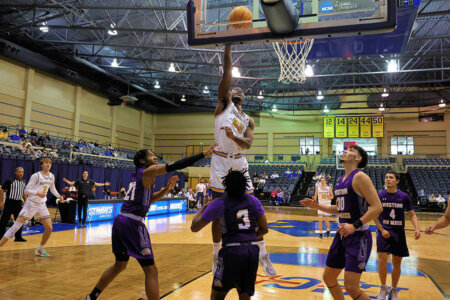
<point x="304" y="228"/>
<point x="318" y="260"/>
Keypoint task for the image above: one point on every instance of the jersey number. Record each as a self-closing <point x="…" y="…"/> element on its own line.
<point x="238" y="125"/>
<point x="392" y="214"/>
<point x="131" y="191"/>
<point x="340" y="203"/>
<point x="243" y="214"/>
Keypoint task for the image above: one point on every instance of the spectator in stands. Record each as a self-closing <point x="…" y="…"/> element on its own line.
<point x="53" y="153"/>
<point x="421" y="196"/>
<point x="96" y="144"/>
<point x="33" y="133"/>
<point x="27" y="142"/>
<point x="261" y="184"/>
<point x="299" y="173"/>
<point x="65" y="143"/>
<point x="274" y="175"/>
<point x="94" y="151"/>
<point x="432" y="199"/>
<point x="121" y="194"/>
<point x="286" y="197"/>
<point x="107" y="153"/>
<point x="280" y="196"/>
<point x="274" y="197"/>
<point x="107" y="193"/>
<point x="42" y="140"/>
<point x="22" y="133"/>
<point x="92" y="195"/>
<point x="33" y="143"/>
<point x="122" y="155"/>
<point x="181" y="193"/>
<point x="441" y="202"/>
<point x="23" y="148"/>
<point x="264" y="176"/>
<point x="191" y="201"/>
<point x="255" y="182"/>
<point x="29" y="150"/>
<point x="201" y="189"/>
<point x="288" y="173"/>
<point x="4" y="134"/>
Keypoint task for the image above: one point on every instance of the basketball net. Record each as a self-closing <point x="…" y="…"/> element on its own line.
<point x="292" y="57"/>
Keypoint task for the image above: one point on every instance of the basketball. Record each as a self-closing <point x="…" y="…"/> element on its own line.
<point x="241" y="13"/>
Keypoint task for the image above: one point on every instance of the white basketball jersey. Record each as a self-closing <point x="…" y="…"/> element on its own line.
<point x="237" y="121"/>
<point x="39" y="183"/>
<point x="323" y="195"/>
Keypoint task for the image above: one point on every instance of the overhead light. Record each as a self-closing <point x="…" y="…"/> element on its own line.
<point x="172" y="68"/>
<point x="274" y="108"/>
<point x="442" y="103"/>
<point x="260" y="96"/>
<point x="385" y="93"/>
<point x="157" y="86"/>
<point x="235" y="72"/>
<point x="112" y="31"/>
<point x="44" y="27"/>
<point x="326" y="110"/>
<point x="206" y="90"/>
<point x="183" y="98"/>
<point x="114" y="63"/>
<point x="381" y="108"/>
<point x="309" y="72"/>
<point x="392" y="66"/>
<point x="319" y="95"/>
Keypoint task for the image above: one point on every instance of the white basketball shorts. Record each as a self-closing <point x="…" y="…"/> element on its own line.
<point x="32" y="209"/>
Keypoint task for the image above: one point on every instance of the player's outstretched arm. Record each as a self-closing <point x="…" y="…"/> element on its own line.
<point x="441" y="223"/>
<point x="364" y="186"/>
<point x="311" y="203"/>
<point x="170" y="185"/>
<point x="223" y="97"/>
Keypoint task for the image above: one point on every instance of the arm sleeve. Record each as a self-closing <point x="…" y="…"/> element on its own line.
<point x="53" y="188"/>
<point x="214" y="210"/>
<point x="183" y="163"/>
<point x="31" y="184"/>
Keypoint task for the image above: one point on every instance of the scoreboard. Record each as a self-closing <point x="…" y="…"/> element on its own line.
<point x="353" y="127"/>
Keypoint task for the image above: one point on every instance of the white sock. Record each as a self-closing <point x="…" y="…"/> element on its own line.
<point x="262" y="248"/>
<point x="40" y="247"/>
<point x="216" y="248"/>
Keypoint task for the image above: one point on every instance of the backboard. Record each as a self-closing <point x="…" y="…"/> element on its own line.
<point x="208" y="20"/>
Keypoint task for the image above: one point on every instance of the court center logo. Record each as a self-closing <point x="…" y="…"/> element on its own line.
<point x="326" y="7"/>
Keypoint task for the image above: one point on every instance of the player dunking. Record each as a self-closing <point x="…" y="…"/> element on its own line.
<point x="129" y="234"/>
<point x="391" y="238"/>
<point x="233" y="134"/>
<point x="353" y="242"/>
<point x="323" y="195"/>
<point x="35" y="206"/>
<point x="243" y="218"/>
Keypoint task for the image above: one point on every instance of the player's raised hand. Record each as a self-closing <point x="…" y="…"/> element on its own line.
<point x="172" y="181"/>
<point x="308" y="202"/>
<point x="430" y="230"/>
<point x="228" y="132"/>
<point x="209" y="150"/>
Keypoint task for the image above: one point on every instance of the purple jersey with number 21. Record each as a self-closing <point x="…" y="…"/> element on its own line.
<point x="138" y="198"/>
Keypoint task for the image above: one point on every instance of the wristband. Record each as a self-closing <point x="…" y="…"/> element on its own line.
<point x="357" y="223"/>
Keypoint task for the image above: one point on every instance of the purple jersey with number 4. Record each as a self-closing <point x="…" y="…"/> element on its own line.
<point x="238" y="218"/>
<point x="138" y="198"/>
<point x="394" y="205"/>
<point x="350" y="205"/>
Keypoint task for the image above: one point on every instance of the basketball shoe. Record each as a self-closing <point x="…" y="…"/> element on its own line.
<point x="393" y="294"/>
<point x="266" y="264"/>
<point x="383" y="293"/>
<point x="41" y="252"/>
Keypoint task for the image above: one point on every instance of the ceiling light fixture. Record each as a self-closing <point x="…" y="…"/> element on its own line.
<point x="157" y="86"/>
<point x="235" y="72"/>
<point x="206" y="90"/>
<point x="385" y="93"/>
<point x="114" y="63"/>
<point x="260" y="96"/>
<point x="112" y="31"/>
<point x="309" y="72"/>
<point x="326" y="110"/>
<point x="183" y="98"/>
<point x="44" y="27"/>
<point x="172" y="68"/>
<point x="442" y="103"/>
<point x="319" y="95"/>
<point x="392" y="66"/>
<point x="381" y="108"/>
<point x="274" y="108"/>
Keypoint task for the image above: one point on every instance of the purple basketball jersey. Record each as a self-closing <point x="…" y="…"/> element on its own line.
<point x="238" y="218"/>
<point x="350" y="205"/>
<point x="138" y="198"/>
<point x="394" y="205"/>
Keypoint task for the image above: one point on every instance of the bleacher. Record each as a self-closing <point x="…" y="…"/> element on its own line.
<point x="433" y="180"/>
<point x="427" y="161"/>
<point x="373" y="160"/>
<point x="285" y="182"/>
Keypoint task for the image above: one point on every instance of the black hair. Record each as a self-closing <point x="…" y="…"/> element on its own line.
<point x="140" y="154"/>
<point x="365" y="158"/>
<point x="235" y="183"/>
<point x="397" y="176"/>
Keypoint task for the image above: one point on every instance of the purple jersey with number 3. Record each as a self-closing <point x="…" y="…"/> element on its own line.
<point x="138" y="198"/>
<point x="394" y="205"/>
<point x="238" y="218"/>
<point x="350" y="205"/>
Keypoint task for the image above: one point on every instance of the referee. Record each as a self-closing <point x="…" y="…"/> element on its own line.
<point x="84" y="186"/>
<point x="14" y="189"/>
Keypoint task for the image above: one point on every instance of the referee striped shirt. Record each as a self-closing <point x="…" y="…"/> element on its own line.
<point x="14" y="188"/>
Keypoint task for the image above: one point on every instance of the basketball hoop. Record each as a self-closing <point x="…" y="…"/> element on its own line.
<point x="292" y="57"/>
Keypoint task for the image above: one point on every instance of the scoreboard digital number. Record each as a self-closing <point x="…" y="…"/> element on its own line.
<point x="354" y="127"/>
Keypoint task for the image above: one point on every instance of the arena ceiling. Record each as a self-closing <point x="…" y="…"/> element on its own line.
<point x="149" y="35"/>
